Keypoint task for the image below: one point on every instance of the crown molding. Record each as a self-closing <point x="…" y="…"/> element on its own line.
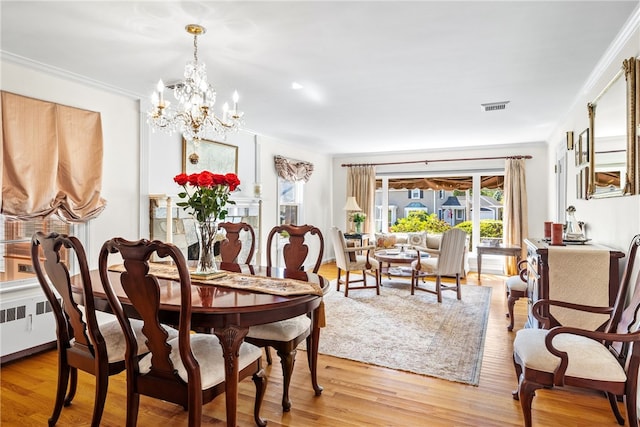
<point x="65" y="74"/>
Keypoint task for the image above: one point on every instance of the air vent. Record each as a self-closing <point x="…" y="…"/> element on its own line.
<point x="494" y="106"/>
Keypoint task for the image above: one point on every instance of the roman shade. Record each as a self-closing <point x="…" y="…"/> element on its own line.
<point x="51" y="160"/>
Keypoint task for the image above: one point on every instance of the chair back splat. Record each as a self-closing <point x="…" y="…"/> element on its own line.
<point x="606" y="361"/>
<point x="187" y="370"/>
<point x="232" y="248"/>
<point x="296" y="251"/>
<point x="81" y="343"/>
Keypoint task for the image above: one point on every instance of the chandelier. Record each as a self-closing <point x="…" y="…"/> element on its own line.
<point x="194" y="114"/>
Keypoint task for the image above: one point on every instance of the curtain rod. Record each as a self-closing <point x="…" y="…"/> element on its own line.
<point x="426" y="162"/>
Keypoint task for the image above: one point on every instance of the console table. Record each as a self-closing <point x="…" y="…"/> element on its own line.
<point x="540" y="286"/>
<point x="505" y="250"/>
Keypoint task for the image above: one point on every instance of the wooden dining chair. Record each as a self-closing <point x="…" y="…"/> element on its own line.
<point x="285" y="336"/>
<point x="188" y="370"/>
<point x="605" y="360"/>
<point x="240" y="243"/>
<point x="87" y="339"/>
<point x="516" y="287"/>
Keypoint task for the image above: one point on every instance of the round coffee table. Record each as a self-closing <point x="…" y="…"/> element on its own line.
<point x="395" y="256"/>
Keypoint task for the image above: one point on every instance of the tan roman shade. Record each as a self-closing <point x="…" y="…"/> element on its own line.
<point x="52" y="160"/>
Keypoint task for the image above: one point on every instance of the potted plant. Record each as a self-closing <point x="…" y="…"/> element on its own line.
<point x="358" y="218"/>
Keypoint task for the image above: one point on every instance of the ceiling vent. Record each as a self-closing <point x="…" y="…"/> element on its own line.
<point x="494" y="106"/>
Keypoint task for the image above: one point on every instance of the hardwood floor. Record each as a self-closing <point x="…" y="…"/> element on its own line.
<point x="354" y="394"/>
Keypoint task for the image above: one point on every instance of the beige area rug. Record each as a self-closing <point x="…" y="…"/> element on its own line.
<point x="409" y="333"/>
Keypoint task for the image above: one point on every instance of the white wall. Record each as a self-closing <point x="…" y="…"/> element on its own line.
<point x="610" y="221"/>
<point x="120" y="128"/>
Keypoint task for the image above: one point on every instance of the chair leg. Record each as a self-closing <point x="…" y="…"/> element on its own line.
<point x="346" y="284"/>
<point x="267" y="352"/>
<point x="413" y="282"/>
<point x="378" y="282"/>
<point x="133" y="403"/>
<point x="511" y="301"/>
<point x="312" y="359"/>
<point x="613" y="401"/>
<point x="338" y="281"/>
<point x="73" y="383"/>
<point x="102" y="383"/>
<point x="260" y="380"/>
<point x="287" y="360"/>
<point x="63" y="381"/>
<point x="631" y="396"/>
<point x="438" y="288"/>
<point x="458" y="287"/>
<point x="526" y="391"/>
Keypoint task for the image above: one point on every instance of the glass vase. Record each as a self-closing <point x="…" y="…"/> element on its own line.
<point x="207" y="231"/>
<point x="358" y="227"/>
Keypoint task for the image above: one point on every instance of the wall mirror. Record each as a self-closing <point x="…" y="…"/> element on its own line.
<point x="612" y="132"/>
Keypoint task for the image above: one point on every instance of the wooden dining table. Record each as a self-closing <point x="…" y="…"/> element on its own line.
<point x="229" y="313"/>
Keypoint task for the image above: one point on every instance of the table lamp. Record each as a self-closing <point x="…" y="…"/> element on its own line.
<point x="351" y="206"/>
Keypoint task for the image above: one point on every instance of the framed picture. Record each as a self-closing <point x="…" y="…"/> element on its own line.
<point x="579" y="194"/>
<point x="583" y="142"/>
<point x="216" y="157"/>
<point x="578" y="152"/>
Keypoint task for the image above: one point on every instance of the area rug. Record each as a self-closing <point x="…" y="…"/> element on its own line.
<point x="411" y="333"/>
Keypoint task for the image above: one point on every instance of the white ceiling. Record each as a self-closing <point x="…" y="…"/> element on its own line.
<point x="377" y="75"/>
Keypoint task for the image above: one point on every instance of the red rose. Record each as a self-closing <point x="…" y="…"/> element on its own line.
<point x="193" y="179"/>
<point x="218" y="179"/>
<point x="181" y="179"/>
<point x="206" y="179"/>
<point x="232" y="181"/>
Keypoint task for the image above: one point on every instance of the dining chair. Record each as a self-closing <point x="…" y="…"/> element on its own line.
<point x="240" y="243"/>
<point x="89" y="340"/>
<point x="350" y="258"/>
<point x="605" y="360"/>
<point x="450" y="262"/>
<point x="285" y="335"/>
<point x="188" y="370"/>
<point x="516" y="287"/>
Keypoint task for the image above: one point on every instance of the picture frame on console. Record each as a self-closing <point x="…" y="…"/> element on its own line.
<point x="214" y="156"/>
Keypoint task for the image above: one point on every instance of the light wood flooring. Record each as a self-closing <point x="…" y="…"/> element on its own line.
<point x="354" y="394"/>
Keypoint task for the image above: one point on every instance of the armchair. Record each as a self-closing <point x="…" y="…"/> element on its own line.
<point x="606" y="361"/>
<point x="450" y="262"/>
<point x="516" y="289"/>
<point x="348" y="259"/>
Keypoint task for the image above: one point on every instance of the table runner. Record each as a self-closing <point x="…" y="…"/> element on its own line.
<point x="267" y="285"/>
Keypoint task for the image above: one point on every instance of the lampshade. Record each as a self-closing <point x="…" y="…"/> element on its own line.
<point x="351" y="204"/>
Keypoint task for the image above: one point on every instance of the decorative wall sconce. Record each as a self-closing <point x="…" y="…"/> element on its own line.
<point x="570" y="140"/>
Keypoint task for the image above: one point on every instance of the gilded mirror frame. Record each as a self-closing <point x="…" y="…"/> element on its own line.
<point x="628" y="70"/>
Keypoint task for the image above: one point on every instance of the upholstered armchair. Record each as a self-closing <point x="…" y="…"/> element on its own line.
<point x="605" y="361"/>
<point x="354" y="258"/>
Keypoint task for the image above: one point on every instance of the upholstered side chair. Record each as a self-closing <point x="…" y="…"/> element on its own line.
<point x="516" y="287"/>
<point x="239" y="244"/>
<point x="188" y="370"/>
<point x="285" y="336"/>
<point x="353" y="258"/>
<point x="89" y="340"/>
<point x="450" y="262"/>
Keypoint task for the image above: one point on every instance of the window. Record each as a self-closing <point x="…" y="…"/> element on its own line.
<point x="15" y="246"/>
<point x="290" y="201"/>
<point x="415" y="194"/>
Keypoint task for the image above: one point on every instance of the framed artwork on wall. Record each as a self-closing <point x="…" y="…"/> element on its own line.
<point x="216" y="157"/>
<point x="583" y="142"/>
<point x="578" y="152"/>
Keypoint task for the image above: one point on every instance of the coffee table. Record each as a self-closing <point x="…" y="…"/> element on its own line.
<point x="395" y="256"/>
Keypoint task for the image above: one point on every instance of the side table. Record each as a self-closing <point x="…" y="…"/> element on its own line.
<point x="505" y="250"/>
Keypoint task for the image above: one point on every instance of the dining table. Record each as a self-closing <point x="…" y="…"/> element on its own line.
<point x="228" y="312"/>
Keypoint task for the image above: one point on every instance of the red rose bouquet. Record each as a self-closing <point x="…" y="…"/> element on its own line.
<point x="209" y="196"/>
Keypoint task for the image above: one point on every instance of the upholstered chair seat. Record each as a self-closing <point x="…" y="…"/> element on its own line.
<point x="515" y="283"/>
<point x="284" y="330"/>
<point x="516" y="287"/>
<point x="114" y="338"/>
<point x="428" y="265"/>
<point x="588" y="358"/>
<point x="208" y="352"/>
